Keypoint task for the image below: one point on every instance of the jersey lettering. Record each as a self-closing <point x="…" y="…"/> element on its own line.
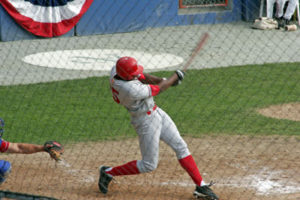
<point x="115" y="95"/>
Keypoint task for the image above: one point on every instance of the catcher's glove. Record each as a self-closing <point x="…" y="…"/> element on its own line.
<point x="54" y="149"/>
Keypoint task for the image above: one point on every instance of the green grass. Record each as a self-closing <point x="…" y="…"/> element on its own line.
<point x="211" y="101"/>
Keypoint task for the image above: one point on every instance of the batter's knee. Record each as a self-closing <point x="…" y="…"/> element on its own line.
<point x="5" y="168"/>
<point x="146" y="166"/>
<point x="182" y="150"/>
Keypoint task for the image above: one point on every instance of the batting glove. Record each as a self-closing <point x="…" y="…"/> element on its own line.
<point x="180" y="74"/>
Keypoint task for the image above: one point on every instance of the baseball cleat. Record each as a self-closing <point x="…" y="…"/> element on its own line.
<point x="104" y="179"/>
<point x="205" y="193"/>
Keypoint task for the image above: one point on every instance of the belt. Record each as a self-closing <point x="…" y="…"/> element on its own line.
<point x="153" y="109"/>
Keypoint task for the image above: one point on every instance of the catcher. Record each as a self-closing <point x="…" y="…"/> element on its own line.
<point x="54" y="149"/>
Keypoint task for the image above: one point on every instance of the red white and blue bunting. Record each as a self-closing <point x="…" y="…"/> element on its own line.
<point x="46" y="18"/>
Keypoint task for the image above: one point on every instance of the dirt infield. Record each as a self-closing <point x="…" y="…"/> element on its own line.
<point x="290" y="111"/>
<point x="258" y="168"/>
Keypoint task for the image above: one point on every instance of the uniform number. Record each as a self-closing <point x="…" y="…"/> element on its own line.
<point x="115" y="95"/>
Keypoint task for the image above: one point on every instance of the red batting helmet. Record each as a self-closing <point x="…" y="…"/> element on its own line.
<point x="127" y="68"/>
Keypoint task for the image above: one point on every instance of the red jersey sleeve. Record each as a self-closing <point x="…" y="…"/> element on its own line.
<point x="154" y="90"/>
<point x="3" y="145"/>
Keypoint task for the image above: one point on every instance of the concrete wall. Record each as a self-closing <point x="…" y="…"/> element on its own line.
<point x="114" y="16"/>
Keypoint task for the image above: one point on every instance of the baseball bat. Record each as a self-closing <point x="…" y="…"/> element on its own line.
<point x="197" y="49"/>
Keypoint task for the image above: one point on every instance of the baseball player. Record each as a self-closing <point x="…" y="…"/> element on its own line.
<point x="135" y="91"/>
<point x="22" y="148"/>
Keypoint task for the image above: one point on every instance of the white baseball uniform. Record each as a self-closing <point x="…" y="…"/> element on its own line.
<point x="280" y="8"/>
<point x="289" y="10"/>
<point x="151" y="123"/>
<point x="270" y="7"/>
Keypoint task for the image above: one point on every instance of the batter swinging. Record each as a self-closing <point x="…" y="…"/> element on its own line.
<point x="135" y="90"/>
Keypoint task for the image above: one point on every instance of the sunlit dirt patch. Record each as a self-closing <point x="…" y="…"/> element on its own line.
<point x="289" y="111"/>
<point x="243" y="167"/>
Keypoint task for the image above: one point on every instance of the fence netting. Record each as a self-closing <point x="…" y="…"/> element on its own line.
<point x="237" y="108"/>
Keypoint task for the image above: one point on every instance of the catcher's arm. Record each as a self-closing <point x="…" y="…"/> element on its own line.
<point x="24" y="148"/>
<point x="54" y="149"/>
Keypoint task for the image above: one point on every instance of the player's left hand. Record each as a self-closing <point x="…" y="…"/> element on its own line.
<point x="180" y="75"/>
<point x="54" y="149"/>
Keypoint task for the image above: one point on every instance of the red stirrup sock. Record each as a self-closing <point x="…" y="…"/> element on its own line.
<point x="126" y="169"/>
<point x="190" y="166"/>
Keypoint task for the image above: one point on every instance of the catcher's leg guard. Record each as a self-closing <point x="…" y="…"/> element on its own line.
<point x="5" y="168"/>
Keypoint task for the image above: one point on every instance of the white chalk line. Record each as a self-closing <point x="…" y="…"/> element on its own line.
<point x="265" y="181"/>
<point x="78" y="173"/>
